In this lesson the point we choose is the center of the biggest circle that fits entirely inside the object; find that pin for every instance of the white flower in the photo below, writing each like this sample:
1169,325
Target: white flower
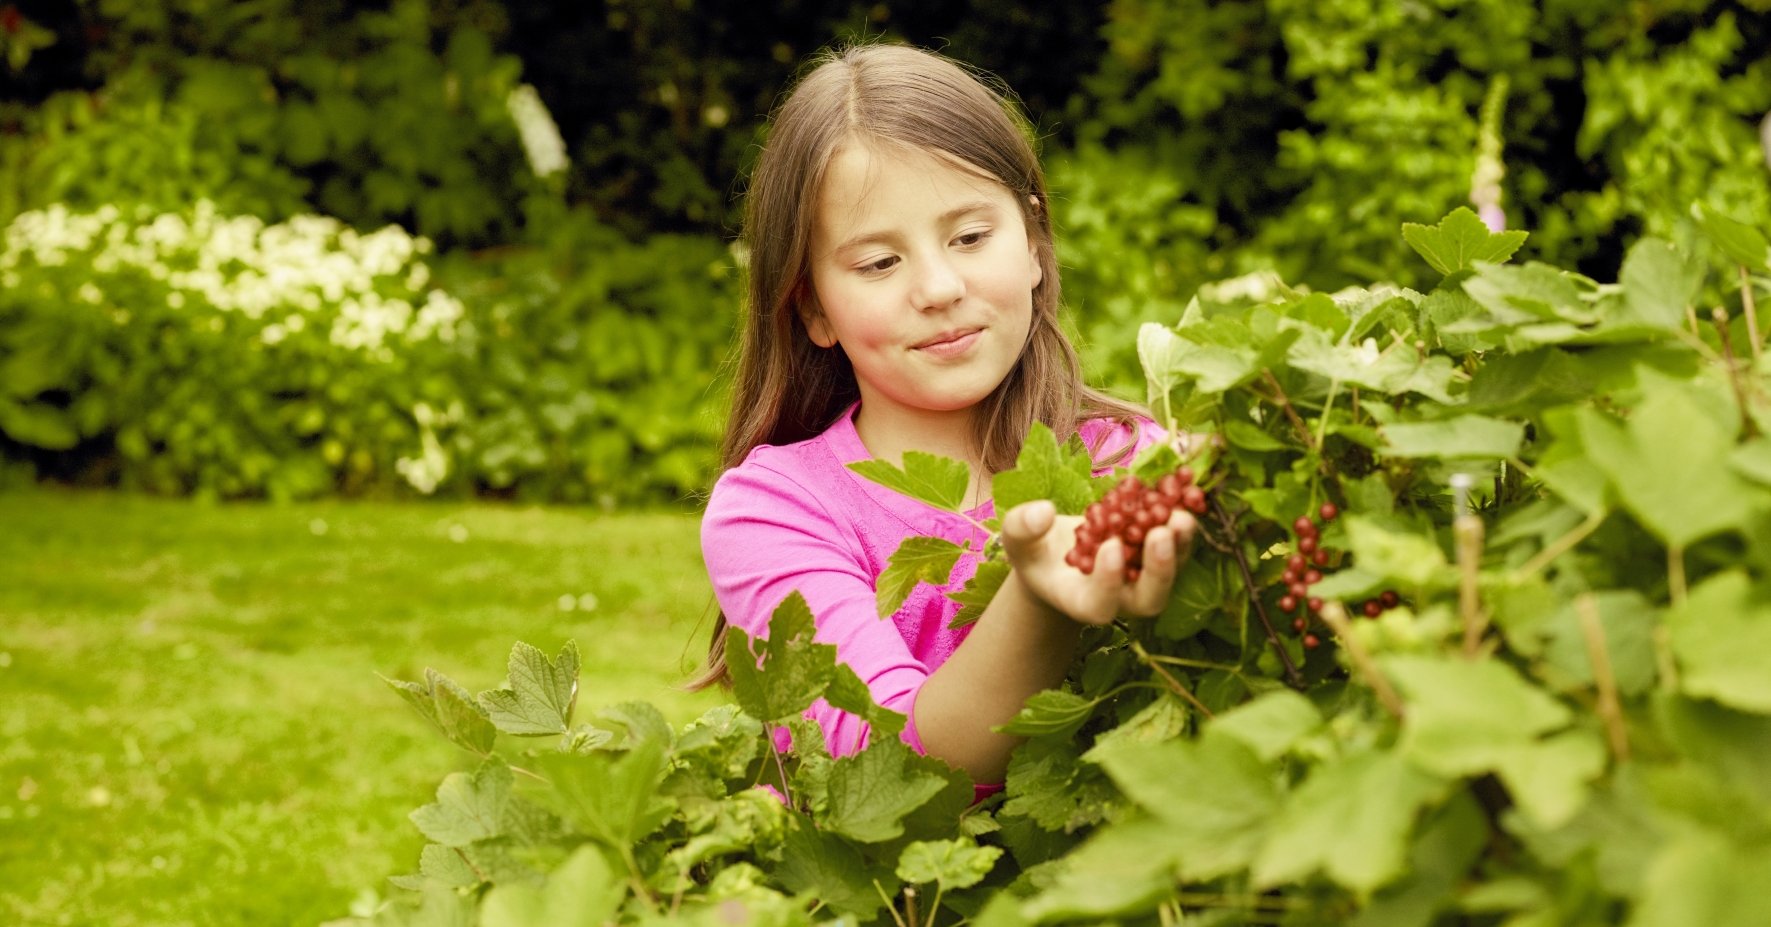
541,139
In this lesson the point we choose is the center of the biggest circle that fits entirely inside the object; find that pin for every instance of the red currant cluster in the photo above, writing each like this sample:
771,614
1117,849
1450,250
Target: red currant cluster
1304,569
1128,511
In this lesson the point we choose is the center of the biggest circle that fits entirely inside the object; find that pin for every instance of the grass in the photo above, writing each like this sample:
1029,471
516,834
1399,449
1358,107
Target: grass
191,727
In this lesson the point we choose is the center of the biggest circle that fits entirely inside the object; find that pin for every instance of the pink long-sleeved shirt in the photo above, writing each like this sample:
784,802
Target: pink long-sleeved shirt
794,517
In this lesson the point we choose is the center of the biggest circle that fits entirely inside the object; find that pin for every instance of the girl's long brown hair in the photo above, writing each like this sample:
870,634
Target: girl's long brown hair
788,389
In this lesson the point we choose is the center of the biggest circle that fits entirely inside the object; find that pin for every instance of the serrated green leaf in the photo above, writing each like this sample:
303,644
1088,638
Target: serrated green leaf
1549,779
938,481
582,892
1405,555
848,693
1459,240
1123,869
1249,437
1532,294
1158,349
1466,717
1215,794
976,594
540,695
1350,819
448,706
612,797
871,792
1270,724
1450,842
919,559
822,865
444,865
951,864
1742,243
468,807
1044,471
1681,497
1394,371
1049,784
634,723
1720,637
1659,283
1701,878
777,678
1052,711
1466,436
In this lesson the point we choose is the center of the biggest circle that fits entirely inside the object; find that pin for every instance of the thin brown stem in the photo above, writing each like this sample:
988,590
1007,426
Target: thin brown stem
1335,616
1174,685
1469,531
1292,676
910,906
1610,710
1284,403
1720,317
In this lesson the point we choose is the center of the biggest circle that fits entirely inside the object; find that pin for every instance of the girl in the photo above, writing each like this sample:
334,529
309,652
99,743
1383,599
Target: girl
903,295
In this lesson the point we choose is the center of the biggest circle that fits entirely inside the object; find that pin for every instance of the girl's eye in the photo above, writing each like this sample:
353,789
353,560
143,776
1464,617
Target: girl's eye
972,239
880,266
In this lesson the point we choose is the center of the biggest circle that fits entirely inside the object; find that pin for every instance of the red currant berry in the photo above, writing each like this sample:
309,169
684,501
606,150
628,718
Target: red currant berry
1299,624
1328,511
1307,545
1074,557
1389,598
1288,603
1134,536
1170,486
1132,573
1185,474
1311,642
1315,604
1193,500
1296,563
1372,608
1304,527
1288,577
1086,563
1299,590
1320,557
1312,577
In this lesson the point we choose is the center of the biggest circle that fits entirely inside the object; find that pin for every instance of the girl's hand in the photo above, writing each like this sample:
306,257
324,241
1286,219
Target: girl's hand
1035,538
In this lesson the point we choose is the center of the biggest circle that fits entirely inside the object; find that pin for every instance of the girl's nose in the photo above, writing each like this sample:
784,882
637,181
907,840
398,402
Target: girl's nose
938,285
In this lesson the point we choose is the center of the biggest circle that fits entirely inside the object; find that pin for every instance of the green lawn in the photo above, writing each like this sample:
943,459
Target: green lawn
191,728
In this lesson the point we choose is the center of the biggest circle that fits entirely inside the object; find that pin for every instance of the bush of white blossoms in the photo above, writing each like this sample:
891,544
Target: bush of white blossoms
225,354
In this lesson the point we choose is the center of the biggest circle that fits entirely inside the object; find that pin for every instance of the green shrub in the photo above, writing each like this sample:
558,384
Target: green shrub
196,352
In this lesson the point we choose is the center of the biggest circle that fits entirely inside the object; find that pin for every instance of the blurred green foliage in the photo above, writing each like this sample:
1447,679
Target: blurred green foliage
1188,141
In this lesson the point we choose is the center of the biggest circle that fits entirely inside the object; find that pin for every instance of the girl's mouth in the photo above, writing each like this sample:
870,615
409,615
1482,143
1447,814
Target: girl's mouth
950,344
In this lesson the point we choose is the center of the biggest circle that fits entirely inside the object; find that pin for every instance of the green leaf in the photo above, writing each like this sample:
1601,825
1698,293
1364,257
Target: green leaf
612,797
468,807
447,705
918,559
540,694
1159,348
938,481
827,867
1549,780
1049,784
1532,294
1720,636
1043,471
37,425
978,591
1742,243
1215,794
848,693
1398,553
1052,711
1628,621
793,671
951,864
1701,878
1350,819
1123,869
872,791
1459,240
1659,283
1450,842
582,892
1461,437
1467,717
1397,370
1270,724
1681,497
445,865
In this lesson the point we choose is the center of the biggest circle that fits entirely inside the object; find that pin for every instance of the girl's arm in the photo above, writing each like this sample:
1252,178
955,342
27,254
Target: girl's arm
1026,638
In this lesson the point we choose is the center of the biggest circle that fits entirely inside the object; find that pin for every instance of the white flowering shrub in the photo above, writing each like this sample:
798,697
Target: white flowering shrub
198,352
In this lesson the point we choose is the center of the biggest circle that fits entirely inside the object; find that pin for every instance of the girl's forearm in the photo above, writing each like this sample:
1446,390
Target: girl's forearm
1019,646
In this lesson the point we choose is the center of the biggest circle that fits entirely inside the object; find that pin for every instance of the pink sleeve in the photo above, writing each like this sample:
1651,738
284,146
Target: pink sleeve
765,536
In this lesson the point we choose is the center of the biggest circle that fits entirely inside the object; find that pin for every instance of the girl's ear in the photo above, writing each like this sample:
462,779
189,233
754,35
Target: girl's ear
811,315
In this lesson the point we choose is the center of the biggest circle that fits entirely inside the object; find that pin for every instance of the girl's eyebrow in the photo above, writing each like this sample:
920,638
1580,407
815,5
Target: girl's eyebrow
963,209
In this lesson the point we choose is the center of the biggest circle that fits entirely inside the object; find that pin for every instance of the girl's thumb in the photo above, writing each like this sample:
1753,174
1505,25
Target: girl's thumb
1027,522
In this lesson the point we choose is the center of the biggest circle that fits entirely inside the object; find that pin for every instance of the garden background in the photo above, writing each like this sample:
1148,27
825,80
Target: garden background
344,338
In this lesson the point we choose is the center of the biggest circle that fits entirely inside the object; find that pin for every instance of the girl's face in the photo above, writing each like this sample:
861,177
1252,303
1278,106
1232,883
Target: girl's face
923,273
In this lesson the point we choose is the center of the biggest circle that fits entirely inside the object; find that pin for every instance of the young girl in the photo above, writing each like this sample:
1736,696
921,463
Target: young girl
903,296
